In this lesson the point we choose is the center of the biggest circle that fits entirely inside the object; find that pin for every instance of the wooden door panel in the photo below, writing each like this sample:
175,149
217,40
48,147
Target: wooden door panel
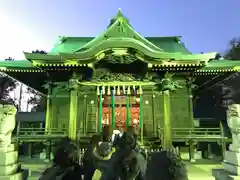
120,117
135,112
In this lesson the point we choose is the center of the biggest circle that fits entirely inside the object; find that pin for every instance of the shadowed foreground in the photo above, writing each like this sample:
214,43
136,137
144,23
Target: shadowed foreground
202,169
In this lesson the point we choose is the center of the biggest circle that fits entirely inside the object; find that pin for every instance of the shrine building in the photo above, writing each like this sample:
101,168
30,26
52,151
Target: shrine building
119,78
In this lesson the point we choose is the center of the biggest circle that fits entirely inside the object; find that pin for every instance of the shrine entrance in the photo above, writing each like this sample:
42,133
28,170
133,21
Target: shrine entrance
120,110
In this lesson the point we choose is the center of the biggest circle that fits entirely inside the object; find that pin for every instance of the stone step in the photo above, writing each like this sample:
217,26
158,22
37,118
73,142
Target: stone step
221,174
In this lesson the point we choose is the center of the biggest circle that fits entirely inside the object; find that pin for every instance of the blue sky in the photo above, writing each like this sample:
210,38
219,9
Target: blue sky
205,25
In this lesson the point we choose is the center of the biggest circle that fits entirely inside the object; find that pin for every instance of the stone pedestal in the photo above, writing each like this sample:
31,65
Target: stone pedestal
10,168
231,163
231,166
43,156
196,156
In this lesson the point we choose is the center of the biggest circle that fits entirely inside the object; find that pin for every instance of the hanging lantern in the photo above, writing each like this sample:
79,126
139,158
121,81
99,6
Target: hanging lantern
134,89
98,91
118,90
114,90
137,99
128,90
140,90
103,89
124,89
109,90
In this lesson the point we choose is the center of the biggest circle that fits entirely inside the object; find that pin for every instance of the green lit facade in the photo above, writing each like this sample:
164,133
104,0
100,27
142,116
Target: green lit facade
118,78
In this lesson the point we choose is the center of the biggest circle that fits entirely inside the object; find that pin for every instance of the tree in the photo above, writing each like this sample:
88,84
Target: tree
9,59
39,51
226,91
219,56
233,52
227,88
7,85
36,100
230,93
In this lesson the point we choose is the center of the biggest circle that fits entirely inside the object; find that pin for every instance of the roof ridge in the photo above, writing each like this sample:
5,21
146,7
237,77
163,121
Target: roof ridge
120,25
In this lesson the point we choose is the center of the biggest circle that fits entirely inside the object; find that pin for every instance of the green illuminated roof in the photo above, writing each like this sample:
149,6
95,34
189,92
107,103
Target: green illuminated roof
119,27
18,66
167,44
118,39
212,66
25,72
70,44
221,66
119,36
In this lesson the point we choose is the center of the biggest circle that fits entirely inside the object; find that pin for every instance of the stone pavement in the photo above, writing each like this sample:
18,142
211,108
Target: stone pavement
34,165
200,170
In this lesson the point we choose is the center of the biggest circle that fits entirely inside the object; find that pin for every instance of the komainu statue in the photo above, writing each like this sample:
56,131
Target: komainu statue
7,124
233,120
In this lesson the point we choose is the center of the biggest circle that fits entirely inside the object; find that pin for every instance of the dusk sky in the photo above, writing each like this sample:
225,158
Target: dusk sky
205,25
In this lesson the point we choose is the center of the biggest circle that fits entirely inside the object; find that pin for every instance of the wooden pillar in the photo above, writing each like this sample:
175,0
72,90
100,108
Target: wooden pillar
191,118
167,138
191,151
73,115
49,150
82,112
223,140
190,102
48,120
209,150
30,147
113,108
128,119
100,111
141,113
84,120
155,127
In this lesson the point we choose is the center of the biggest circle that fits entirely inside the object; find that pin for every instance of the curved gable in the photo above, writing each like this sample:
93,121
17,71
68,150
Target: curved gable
119,27
169,44
70,44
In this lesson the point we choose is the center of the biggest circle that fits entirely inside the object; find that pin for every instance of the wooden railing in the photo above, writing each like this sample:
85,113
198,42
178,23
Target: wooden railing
197,131
37,135
177,133
199,134
38,131
186,135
